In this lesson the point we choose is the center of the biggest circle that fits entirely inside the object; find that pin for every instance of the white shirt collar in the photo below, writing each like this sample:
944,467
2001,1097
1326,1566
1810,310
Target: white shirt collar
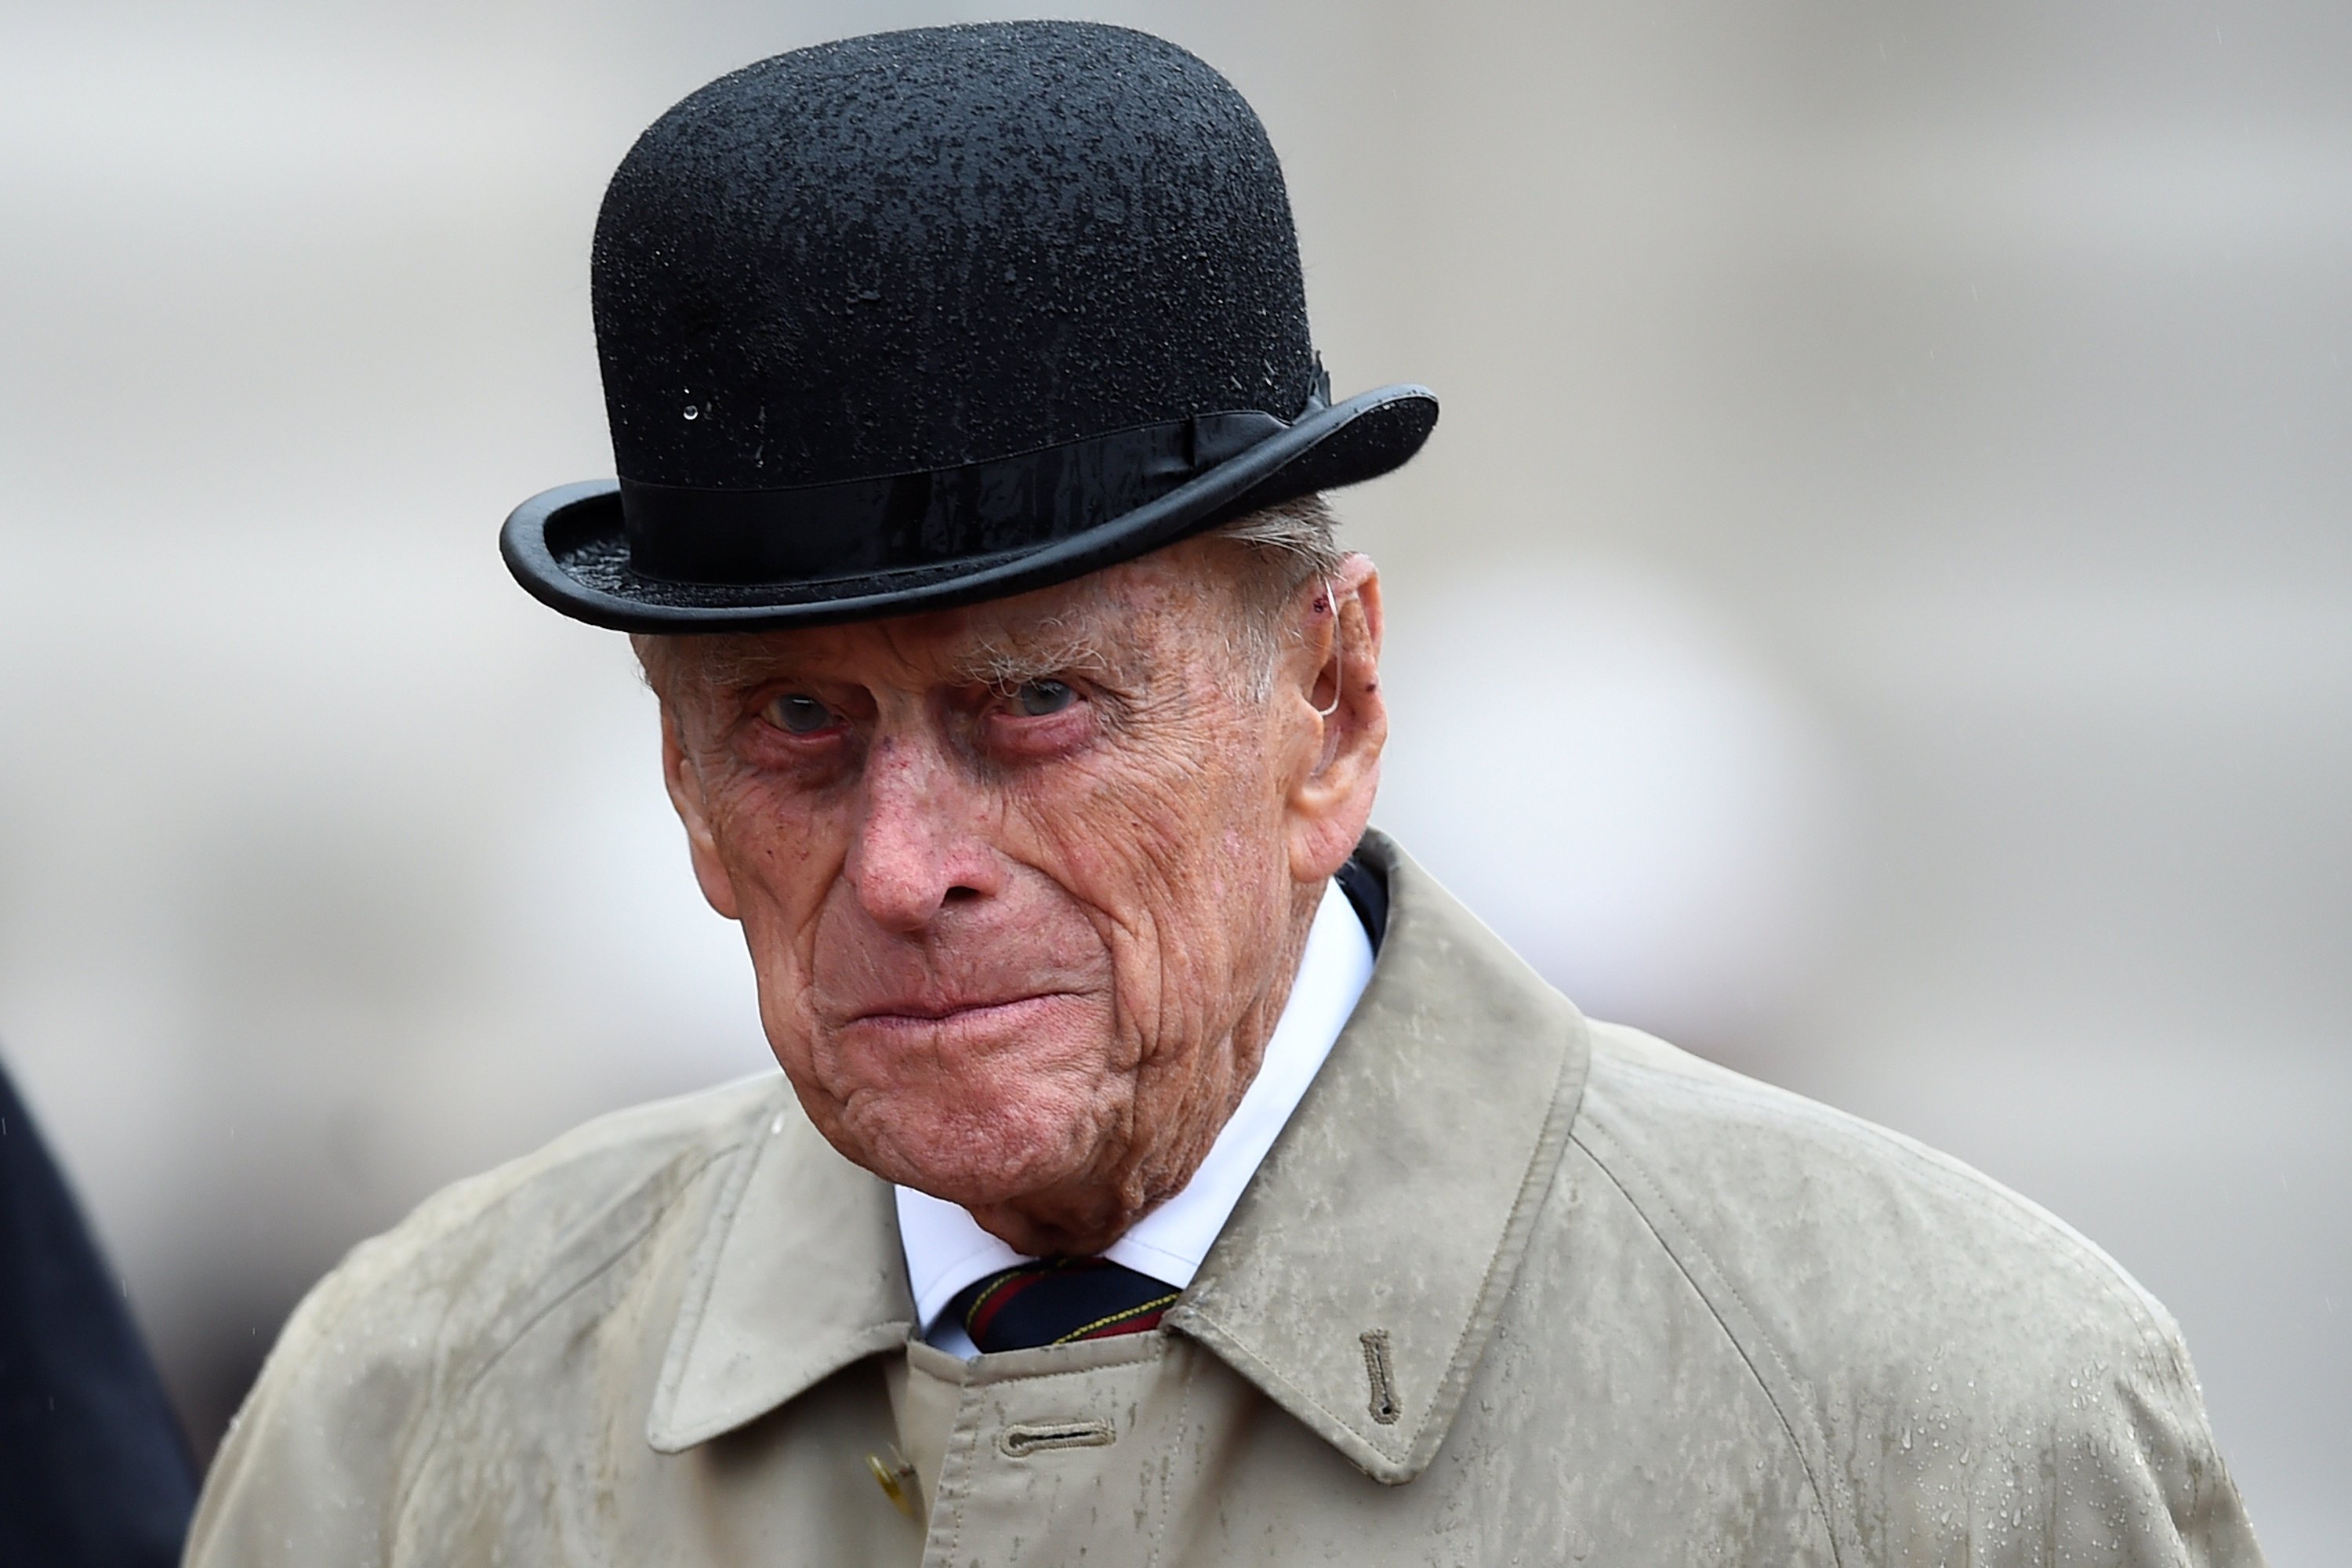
947,1251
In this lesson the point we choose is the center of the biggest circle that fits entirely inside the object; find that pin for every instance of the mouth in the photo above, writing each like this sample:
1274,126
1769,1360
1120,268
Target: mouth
912,1014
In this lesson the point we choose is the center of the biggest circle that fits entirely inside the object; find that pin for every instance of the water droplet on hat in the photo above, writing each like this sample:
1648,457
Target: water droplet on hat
692,412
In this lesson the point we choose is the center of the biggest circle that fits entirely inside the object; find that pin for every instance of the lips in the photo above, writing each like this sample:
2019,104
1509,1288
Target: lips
916,1011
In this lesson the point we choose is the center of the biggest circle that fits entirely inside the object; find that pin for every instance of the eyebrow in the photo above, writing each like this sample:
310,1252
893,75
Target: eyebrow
730,662
1054,647
1001,660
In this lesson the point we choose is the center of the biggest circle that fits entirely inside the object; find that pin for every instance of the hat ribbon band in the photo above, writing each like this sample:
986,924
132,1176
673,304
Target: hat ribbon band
686,534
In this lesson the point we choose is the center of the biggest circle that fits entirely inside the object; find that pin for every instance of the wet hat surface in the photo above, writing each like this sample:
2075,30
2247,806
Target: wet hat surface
927,317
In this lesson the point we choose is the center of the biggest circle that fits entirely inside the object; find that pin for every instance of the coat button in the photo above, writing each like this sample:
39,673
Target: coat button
896,1477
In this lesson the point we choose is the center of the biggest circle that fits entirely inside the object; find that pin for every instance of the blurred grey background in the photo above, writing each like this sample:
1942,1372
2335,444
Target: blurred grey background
1878,609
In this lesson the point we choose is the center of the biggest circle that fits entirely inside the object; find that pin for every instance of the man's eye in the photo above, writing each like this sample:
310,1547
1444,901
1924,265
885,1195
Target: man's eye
799,715
1036,699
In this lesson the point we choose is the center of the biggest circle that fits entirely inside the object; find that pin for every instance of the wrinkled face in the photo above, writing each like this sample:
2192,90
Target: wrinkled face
1024,883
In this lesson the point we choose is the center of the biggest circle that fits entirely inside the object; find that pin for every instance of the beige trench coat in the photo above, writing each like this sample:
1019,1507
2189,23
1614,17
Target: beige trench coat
1511,1288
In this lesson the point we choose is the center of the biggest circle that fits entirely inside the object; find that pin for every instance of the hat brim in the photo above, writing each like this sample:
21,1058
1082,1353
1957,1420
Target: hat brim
566,545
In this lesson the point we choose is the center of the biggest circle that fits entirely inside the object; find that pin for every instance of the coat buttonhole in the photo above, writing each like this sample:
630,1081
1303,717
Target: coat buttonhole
1378,1372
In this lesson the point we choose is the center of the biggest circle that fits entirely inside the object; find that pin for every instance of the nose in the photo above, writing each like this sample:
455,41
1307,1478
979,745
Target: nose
914,851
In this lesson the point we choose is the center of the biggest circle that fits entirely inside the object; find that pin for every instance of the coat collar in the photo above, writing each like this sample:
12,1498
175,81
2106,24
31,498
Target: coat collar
798,1274
1356,1283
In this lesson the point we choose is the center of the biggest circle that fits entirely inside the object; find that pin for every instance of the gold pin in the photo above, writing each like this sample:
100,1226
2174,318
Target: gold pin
896,1477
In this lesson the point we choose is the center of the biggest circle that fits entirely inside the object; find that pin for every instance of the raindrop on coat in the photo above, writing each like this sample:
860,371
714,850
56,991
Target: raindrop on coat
692,412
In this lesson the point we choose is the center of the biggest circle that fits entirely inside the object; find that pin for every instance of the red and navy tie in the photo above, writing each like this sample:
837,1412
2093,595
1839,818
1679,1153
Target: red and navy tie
1059,1301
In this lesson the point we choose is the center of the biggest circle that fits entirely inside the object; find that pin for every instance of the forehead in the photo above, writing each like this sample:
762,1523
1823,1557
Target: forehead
1123,618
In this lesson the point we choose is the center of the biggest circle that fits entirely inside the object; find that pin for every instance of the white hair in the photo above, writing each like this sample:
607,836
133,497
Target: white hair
1290,544
1302,534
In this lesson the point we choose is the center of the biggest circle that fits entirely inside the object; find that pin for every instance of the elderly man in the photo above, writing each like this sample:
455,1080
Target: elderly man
1164,1170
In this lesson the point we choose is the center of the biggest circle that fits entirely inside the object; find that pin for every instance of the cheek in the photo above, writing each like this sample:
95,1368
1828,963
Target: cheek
1182,857
781,857
781,845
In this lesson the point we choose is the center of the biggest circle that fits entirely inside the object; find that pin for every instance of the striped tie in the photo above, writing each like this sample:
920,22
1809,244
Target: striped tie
1059,1301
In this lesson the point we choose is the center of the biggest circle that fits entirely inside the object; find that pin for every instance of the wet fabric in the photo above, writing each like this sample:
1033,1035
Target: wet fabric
93,1471
1511,1286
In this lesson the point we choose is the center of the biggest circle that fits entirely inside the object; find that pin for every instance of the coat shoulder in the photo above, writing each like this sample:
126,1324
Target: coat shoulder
1772,1186
1931,1339
504,1244
354,1393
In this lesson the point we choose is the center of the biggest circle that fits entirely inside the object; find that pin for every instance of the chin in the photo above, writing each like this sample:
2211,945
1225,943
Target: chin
978,1110
976,1155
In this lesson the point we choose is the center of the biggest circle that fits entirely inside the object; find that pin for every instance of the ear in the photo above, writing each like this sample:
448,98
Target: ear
1346,720
684,786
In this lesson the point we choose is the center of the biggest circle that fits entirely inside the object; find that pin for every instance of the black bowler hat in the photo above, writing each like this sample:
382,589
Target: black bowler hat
930,317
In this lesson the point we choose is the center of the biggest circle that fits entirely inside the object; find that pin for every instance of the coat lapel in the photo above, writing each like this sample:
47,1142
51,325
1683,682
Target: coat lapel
1357,1282
799,1274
